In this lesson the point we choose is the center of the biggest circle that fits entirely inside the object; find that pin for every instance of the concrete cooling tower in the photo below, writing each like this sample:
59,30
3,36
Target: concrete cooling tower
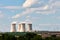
13,27
29,27
22,27
19,27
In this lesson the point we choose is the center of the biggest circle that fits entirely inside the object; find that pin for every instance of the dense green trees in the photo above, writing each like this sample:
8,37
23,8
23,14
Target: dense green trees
37,37
27,36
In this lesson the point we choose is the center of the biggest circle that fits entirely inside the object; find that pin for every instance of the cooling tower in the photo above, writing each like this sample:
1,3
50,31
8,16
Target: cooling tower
13,27
29,27
22,27
19,27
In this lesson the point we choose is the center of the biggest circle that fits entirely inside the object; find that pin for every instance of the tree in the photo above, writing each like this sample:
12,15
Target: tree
30,35
37,37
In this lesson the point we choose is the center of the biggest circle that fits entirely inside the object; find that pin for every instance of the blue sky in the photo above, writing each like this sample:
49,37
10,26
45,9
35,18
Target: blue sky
44,14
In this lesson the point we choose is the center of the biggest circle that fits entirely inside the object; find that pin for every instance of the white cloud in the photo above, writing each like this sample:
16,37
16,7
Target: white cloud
28,3
27,11
0,11
1,14
56,4
10,7
27,16
30,10
32,19
46,9
14,22
41,10
46,12
57,17
16,16
49,24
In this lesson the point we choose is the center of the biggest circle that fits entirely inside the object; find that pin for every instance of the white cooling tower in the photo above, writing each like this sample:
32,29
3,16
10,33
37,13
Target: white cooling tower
13,27
19,27
29,27
22,27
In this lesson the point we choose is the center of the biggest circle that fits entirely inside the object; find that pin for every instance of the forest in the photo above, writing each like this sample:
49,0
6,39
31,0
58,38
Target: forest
25,36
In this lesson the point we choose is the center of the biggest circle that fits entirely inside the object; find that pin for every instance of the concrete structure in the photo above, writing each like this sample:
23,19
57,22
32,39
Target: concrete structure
29,27
22,27
13,27
19,27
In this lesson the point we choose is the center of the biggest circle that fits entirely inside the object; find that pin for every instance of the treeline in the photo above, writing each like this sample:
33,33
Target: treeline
27,36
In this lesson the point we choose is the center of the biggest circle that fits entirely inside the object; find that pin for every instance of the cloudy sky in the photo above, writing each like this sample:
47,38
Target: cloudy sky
44,14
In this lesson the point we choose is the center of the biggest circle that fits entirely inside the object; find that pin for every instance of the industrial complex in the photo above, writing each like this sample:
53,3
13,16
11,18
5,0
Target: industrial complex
21,27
